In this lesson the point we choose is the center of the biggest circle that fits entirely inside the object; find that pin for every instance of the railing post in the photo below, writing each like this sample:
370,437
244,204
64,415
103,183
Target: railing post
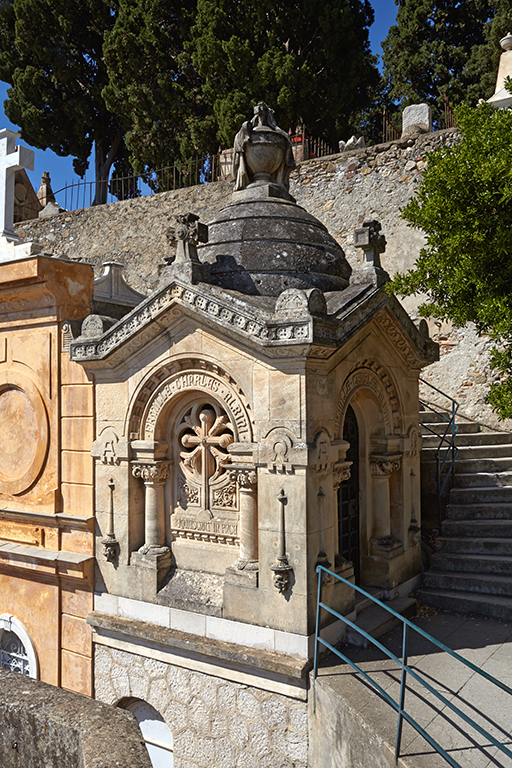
317,632
398,741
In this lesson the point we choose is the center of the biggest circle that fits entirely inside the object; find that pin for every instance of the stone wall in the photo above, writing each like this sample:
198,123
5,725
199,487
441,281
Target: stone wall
215,723
342,191
41,725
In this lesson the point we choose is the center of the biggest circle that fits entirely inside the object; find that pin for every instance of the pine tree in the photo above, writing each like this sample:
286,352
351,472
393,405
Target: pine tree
51,56
444,47
310,61
156,93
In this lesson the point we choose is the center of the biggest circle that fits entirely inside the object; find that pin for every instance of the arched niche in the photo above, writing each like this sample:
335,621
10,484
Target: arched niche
17,651
155,731
370,394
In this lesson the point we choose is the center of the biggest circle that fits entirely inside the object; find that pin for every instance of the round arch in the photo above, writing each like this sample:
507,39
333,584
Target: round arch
371,376
17,651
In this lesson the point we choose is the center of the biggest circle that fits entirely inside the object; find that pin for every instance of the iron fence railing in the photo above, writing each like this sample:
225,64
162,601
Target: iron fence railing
446,451
449,115
400,705
389,130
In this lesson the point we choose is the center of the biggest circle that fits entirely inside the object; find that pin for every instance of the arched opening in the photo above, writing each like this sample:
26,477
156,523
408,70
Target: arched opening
348,499
17,651
157,734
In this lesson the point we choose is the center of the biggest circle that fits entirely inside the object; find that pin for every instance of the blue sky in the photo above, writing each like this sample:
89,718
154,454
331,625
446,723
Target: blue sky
61,168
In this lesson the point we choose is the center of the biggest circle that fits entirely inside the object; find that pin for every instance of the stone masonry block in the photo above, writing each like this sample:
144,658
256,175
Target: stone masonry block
417,114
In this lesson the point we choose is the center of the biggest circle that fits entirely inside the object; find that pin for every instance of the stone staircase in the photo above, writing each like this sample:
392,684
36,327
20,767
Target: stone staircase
374,620
471,570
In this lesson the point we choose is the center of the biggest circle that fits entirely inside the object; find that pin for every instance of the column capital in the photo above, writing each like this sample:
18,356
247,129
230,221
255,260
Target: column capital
382,465
156,472
246,478
340,472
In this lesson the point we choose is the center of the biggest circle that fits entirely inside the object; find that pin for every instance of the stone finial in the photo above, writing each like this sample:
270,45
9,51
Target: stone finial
506,42
372,244
263,154
187,233
45,193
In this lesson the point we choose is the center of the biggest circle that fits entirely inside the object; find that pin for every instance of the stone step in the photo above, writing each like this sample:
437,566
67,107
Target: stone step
362,602
472,452
478,528
474,438
376,621
468,602
484,545
486,495
463,428
482,583
491,511
490,564
435,417
483,480
491,465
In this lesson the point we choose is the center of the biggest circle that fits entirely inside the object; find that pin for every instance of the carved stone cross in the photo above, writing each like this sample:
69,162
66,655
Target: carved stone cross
12,159
206,458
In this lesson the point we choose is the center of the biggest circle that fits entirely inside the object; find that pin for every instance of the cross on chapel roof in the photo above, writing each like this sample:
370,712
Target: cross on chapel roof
12,159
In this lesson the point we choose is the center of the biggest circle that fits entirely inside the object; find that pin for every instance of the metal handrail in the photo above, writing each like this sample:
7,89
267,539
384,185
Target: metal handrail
399,705
446,441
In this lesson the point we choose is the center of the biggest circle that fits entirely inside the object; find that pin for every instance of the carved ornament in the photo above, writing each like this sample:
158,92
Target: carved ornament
156,473
368,374
384,465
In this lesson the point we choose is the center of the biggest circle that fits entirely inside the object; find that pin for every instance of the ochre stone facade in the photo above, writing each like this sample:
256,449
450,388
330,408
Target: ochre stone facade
46,472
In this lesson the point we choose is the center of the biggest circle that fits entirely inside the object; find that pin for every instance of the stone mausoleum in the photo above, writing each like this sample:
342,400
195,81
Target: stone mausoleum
255,416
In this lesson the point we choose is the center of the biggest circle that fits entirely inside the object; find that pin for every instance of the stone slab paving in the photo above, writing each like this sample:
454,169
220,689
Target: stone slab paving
484,642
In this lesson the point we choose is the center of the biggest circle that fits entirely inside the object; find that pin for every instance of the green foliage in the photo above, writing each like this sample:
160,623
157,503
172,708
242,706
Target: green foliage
156,94
310,61
442,47
51,56
464,207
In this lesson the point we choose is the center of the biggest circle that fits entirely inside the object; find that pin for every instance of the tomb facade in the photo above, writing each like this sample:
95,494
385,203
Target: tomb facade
255,416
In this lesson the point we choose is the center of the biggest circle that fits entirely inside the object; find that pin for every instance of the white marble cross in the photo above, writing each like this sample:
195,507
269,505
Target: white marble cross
12,159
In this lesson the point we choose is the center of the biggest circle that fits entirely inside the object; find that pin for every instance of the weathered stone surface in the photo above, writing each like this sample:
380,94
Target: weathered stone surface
417,115
221,724
41,724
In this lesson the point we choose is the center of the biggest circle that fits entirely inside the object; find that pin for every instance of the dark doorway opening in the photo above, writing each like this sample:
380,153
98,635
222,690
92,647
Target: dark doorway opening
348,498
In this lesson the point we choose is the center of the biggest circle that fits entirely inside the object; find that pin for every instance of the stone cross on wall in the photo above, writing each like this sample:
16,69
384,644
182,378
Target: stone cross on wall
12,159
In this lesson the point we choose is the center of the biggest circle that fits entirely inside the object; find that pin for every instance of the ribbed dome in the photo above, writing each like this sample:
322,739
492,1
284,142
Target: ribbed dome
263,245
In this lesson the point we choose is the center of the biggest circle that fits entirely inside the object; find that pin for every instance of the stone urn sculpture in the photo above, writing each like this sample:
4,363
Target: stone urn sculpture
263,152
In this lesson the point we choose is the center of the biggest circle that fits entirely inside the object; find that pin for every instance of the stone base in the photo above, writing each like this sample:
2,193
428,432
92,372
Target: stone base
247,577
262,190
386,547
156,565
389,572
189,272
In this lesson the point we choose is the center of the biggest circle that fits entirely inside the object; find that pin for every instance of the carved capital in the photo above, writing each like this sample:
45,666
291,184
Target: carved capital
382,465
246,478
340,472
152,473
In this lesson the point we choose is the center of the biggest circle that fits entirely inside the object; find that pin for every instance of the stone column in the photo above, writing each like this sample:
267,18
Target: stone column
382,465
154,476
248,531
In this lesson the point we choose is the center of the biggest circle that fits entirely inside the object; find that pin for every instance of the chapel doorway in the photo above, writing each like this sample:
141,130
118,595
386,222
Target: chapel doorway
348,499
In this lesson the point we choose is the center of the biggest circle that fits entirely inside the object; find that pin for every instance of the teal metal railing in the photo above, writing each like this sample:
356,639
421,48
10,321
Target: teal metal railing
446,451
400,705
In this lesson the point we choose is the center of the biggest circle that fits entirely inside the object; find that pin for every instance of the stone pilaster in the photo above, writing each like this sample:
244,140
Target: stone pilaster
154,476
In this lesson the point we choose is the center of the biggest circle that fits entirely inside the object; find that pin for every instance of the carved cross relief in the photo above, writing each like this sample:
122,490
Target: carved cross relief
203,437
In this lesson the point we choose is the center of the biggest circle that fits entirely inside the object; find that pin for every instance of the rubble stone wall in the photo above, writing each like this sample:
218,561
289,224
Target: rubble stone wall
214,722
342,191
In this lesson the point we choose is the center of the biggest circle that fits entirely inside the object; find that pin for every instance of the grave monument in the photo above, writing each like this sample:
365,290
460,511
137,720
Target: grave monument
255,416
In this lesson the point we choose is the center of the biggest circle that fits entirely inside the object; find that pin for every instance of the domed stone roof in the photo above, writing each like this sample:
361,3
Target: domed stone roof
265,245
263,242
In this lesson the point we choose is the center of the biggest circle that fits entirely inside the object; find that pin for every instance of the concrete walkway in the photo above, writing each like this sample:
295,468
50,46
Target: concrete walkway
485,642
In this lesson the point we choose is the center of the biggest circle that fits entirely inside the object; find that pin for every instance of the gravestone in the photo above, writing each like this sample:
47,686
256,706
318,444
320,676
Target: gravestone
416,119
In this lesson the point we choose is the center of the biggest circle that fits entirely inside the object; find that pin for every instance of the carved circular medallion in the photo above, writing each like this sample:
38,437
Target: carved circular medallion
23,433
